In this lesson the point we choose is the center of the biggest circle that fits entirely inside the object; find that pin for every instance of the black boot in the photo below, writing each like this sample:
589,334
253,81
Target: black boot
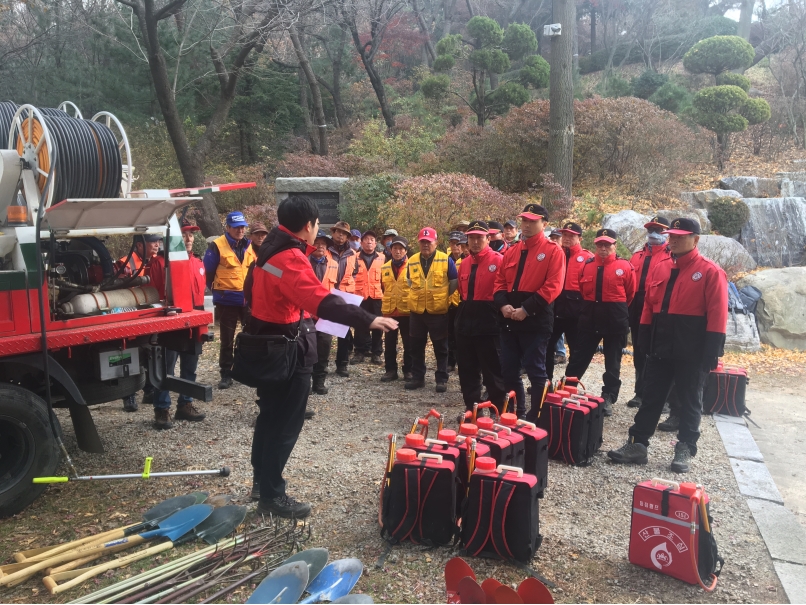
629,453
284,506
341,370
319,385
670,425
682,457
389,376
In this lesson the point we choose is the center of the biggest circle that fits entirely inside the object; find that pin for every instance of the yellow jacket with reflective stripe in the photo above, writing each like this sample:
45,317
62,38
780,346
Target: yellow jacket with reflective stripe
395,291
456,297
429,293
231,273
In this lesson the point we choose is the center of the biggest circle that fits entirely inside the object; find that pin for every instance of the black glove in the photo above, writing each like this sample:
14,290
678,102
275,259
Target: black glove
710,363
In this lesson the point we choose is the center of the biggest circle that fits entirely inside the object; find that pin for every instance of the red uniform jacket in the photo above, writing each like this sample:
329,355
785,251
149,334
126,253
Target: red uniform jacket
197,278
477,314
685,313
607,288
531,276
643,262
569,302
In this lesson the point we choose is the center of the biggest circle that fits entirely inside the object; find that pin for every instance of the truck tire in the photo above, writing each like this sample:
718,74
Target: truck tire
27,448
112,390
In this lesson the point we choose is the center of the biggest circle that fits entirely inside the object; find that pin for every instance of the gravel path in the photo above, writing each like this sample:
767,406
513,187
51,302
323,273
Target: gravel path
338,463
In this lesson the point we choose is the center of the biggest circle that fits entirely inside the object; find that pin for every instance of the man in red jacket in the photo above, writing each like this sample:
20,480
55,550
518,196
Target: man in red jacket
568,305
683,331
644,261
607,288
478,341
281,288
529,280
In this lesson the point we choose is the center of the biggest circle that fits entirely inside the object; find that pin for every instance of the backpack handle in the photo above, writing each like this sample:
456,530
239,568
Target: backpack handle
528,425
436,442
577,397
569,400
424,455
673,484
512,469
487,433
501,427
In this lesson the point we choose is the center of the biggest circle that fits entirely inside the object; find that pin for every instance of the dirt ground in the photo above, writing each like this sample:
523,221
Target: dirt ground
337,465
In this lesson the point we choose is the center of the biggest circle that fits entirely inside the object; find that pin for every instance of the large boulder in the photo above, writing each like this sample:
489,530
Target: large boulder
727,253
630,227
742,334
703,199
775,235
781,311
751,186
697,214
793,187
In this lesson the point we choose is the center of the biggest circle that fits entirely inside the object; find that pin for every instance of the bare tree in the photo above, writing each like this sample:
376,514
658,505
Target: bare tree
313,85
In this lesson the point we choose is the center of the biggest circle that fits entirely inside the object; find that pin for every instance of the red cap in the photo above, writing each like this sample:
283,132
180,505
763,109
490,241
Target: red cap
570,389
688,489
485,464
447,435
428,234
562,393
468,429
485,423
415,440
509,419
405,455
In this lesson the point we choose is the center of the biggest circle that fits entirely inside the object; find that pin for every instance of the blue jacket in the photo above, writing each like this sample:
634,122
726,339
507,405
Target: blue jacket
212,258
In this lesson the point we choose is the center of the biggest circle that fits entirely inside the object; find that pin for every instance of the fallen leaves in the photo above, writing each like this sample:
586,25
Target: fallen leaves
769,360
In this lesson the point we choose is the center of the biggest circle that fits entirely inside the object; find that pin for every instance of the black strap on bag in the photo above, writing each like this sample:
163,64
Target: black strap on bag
498,519
409,520
262,360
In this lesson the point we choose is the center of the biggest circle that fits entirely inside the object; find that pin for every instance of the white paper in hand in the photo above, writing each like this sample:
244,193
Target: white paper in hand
332,328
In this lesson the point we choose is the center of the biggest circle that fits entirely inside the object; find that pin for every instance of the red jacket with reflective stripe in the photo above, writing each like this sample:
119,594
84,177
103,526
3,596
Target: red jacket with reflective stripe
607,288
569,302
687,308
539,280
477,314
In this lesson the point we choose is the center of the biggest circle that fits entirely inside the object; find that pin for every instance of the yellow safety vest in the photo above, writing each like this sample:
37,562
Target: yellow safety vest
231,273
429,293
456,298
395,291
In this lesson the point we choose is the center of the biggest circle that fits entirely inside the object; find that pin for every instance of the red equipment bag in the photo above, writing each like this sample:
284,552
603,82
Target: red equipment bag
500,448
468,435
515,452
420,502
595,405
725,391
502,516
536,449
568,426
670,532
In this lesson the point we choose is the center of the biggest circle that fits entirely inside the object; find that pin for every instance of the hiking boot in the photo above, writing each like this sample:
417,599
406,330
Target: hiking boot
451,368
441,387
188,412
635,402
629,453
607,406
357,358
670,425
667,409
162,419
407,376
284,506
389,376
255,493
342,370
415,384
130,403
148,397
485,396
226,382
319,385
376,360
559,359
309,414
682,457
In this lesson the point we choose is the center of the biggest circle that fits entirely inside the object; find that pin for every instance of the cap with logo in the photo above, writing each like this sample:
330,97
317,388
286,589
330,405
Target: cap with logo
606,235
428,234
257,228
534,212
186,225
391,232
341,226
495,227
571,228
236,219
556,233
511,223
478,228
658,222
455,235
324,235
355,233
399,239
684,226
369,232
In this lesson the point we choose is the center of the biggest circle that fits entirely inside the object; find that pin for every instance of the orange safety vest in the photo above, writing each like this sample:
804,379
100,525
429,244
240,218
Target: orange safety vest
231,273
368,281
331,272
135,262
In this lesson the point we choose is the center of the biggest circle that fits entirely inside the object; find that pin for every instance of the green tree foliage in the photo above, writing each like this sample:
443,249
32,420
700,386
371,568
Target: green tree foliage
671,97
729,78
645,85
535,72
719,54
436,87
365,200
728,215
614,86
399,149
721,109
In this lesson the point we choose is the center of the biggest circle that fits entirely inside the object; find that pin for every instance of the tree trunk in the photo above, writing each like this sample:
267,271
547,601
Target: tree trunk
470,9
561,96
374,77
313,85
306,113
593,29
745,18
429,45
447,16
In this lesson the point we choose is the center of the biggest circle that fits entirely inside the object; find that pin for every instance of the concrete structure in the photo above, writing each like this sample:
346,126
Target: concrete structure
325,191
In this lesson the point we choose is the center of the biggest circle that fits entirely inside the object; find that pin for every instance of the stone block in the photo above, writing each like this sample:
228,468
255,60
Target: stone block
751,186
755,481
793,579
784,536
781,310
702,199
775,234
739,442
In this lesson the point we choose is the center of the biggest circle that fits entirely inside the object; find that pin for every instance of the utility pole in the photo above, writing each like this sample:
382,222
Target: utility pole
561,92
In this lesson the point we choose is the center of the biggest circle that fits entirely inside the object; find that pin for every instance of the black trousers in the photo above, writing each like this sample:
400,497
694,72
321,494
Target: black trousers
278,425
452,335
228,318
689,379
562,325
364,341
421,326
612,345
638,354
324,343
344,347
479,361
390,346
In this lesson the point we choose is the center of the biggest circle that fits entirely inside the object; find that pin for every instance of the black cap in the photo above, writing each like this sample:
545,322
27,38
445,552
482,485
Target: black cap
684,226
478,227
571,228
324,235
511,223
606,235
148,237
400,240
495,226
556,232
534,212
657,221
457,235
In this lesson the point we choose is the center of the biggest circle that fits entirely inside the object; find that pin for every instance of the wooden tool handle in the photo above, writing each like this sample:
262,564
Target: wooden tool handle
36,553
84,574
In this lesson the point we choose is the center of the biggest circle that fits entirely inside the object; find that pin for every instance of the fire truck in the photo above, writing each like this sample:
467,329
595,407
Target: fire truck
75,329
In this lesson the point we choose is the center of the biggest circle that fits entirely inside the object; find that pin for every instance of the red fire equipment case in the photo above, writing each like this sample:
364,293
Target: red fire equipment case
725,391
568,426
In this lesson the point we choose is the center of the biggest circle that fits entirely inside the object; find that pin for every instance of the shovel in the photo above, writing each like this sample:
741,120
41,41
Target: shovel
455,570
221,522
173,527
336,580
489,587
314,558
469,591
284,585
151,518
532,590
504,594
354,598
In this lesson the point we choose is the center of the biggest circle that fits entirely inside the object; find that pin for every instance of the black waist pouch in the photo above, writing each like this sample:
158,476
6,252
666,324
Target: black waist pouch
265,360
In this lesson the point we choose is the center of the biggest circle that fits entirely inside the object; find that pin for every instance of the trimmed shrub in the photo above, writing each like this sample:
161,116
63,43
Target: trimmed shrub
671,97
436,87
718,54
647,83
729,78
615,86
728,215
365,200
535,72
